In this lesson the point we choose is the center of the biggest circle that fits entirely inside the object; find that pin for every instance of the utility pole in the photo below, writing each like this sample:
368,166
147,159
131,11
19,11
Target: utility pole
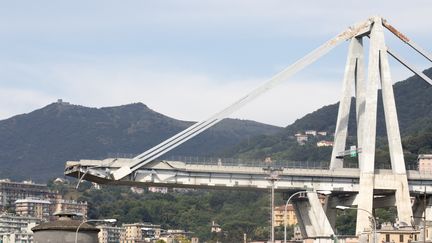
424,216
273,175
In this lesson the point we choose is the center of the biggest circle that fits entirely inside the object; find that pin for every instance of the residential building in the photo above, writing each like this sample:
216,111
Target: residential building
12,191
137,190
171,236
301,138
13,223
162,190
279,215
388,233
322,133
22,236
14,228
95,186
279,212
139,232
215,227
33,207
324,143
70,206
109,234
425,163
311,132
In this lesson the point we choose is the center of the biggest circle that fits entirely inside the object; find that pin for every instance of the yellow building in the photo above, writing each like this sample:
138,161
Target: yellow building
291,217
139,232
279,215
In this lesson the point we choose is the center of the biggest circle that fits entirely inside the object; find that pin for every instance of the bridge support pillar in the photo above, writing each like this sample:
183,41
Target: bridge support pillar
422,206
353,76
330,210
366,106
312,218
366,109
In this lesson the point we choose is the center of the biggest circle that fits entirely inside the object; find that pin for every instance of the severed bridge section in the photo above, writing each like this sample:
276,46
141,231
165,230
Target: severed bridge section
366,187
220,175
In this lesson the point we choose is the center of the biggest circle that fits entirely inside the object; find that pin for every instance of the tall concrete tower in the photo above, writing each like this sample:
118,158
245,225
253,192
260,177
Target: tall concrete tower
366,93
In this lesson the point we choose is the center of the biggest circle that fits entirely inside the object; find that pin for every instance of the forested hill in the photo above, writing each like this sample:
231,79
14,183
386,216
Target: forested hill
37,145
413,101
414,105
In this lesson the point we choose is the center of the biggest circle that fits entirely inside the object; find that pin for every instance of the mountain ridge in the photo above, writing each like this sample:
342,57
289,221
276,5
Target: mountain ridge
37,144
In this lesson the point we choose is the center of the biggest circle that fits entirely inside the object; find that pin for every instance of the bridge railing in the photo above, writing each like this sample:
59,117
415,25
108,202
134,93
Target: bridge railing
249,162
259,163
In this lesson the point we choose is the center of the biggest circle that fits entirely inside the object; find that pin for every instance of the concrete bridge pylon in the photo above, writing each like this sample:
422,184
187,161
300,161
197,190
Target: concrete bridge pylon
366,93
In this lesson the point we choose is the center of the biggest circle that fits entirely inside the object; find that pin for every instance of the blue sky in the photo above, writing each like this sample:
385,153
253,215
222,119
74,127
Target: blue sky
186,59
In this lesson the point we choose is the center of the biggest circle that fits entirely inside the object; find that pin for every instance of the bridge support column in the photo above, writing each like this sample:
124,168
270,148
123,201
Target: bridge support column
379,71
420,207
312,218
330,210
355,53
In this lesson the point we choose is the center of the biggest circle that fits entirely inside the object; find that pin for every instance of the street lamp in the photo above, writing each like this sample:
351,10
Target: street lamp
92,220
285,212
286,208
364,210
273,176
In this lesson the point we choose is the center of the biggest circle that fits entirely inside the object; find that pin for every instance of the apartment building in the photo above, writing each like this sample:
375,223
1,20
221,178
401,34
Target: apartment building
70,206
12,191
425,163
109,234
33,207
14,228
139,232
279,215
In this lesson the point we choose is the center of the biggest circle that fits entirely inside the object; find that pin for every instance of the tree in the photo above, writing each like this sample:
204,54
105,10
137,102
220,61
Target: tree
346,222
182,239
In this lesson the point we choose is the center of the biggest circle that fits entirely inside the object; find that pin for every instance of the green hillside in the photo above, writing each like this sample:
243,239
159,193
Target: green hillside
37,145
414,105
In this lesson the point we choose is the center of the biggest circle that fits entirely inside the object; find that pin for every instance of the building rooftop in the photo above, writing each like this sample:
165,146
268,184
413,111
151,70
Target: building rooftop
425,156
32,200
142,225
65,225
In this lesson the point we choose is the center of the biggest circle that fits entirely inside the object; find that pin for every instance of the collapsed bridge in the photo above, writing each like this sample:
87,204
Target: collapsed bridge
366,187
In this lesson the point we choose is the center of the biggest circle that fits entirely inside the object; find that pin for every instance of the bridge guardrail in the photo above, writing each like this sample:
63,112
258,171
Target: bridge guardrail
259,163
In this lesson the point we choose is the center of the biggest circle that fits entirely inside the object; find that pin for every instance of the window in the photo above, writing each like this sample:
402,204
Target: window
401,238
387,238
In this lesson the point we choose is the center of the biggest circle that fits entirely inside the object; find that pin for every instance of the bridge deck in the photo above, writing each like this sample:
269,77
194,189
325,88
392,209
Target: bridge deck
218,175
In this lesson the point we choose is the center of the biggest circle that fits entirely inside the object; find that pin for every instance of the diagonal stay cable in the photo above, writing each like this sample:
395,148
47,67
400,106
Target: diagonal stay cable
199,127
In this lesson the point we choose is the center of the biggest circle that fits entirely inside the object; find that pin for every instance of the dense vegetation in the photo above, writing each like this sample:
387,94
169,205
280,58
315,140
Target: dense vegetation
237,212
